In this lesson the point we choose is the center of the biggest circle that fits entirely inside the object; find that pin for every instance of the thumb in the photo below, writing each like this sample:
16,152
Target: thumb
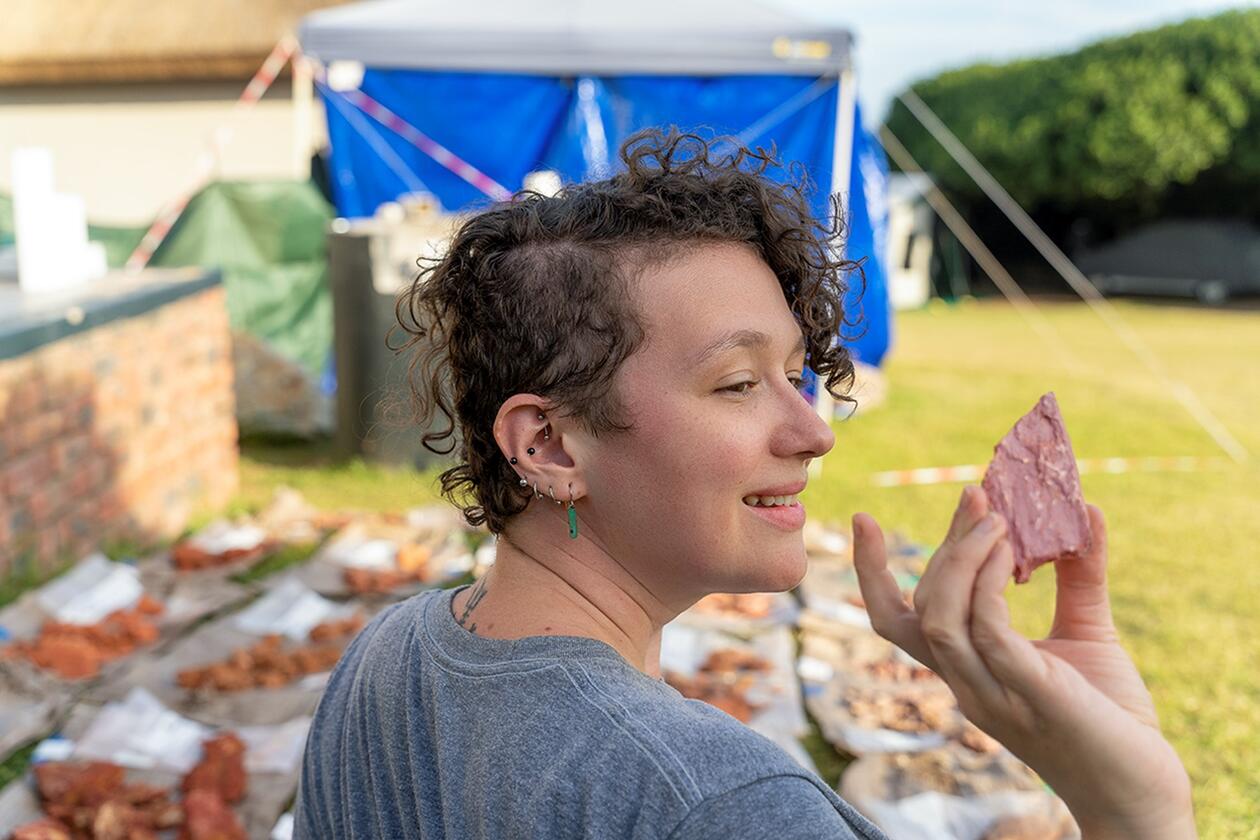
1082,607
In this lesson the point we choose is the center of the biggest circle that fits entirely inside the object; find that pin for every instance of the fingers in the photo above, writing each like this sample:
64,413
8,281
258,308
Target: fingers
971,507
1082,608
1007,655
890,616
945,606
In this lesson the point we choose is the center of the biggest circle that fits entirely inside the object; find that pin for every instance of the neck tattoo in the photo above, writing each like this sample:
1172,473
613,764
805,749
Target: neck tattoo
474,598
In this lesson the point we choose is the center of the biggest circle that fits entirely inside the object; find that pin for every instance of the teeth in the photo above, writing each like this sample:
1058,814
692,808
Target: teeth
769,501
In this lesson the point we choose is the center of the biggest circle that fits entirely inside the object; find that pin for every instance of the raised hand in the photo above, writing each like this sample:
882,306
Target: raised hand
1072,706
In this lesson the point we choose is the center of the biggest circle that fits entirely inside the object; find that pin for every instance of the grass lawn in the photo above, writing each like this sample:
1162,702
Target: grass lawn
1183,574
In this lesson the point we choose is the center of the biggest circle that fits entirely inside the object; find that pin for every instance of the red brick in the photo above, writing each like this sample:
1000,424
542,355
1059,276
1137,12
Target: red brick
47,547
113,466
28,472
70,453
42,504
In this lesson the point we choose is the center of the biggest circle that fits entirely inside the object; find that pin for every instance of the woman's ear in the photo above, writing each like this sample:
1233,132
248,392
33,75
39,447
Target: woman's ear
525,431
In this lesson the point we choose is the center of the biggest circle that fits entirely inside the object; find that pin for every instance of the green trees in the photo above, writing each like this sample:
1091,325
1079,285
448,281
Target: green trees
1159,120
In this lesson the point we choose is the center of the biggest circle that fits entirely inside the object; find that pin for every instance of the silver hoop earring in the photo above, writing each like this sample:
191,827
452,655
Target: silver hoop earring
552,493
537,495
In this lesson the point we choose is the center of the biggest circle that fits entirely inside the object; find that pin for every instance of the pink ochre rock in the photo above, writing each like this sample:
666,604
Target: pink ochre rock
1033,482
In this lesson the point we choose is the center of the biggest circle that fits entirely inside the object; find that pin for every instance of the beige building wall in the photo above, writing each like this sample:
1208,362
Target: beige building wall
130,148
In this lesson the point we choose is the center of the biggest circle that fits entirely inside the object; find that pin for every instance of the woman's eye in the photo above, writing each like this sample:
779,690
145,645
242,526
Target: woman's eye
798,382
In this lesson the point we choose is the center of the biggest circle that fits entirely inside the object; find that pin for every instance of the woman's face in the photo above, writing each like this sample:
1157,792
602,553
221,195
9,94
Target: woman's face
711,428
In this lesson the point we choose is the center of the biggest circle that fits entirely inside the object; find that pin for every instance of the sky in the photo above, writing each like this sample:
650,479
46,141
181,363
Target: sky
901,41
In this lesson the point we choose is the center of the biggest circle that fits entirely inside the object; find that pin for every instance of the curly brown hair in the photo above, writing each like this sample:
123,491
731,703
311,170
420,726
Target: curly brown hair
534,295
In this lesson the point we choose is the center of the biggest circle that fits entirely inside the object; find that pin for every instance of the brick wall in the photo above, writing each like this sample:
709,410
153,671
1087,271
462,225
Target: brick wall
120,432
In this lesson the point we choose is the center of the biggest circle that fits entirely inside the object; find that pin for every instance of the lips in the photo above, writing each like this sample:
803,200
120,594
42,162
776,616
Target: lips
786,517
791,489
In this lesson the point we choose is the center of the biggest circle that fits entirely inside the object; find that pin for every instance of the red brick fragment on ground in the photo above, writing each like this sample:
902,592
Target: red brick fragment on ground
45,829
221,769
207,817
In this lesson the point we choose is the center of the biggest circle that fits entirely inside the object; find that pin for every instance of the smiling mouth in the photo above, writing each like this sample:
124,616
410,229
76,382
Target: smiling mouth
770,501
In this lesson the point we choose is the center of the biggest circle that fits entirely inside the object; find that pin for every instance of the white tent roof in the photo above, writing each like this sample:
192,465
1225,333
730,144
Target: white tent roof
577,37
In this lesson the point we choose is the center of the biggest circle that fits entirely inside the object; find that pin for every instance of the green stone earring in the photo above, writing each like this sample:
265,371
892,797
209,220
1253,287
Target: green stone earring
572,516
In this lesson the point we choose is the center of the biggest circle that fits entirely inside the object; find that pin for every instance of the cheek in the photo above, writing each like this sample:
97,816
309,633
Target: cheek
702,449
690,459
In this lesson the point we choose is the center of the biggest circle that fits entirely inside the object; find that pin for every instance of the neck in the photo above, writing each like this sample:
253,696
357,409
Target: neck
546,585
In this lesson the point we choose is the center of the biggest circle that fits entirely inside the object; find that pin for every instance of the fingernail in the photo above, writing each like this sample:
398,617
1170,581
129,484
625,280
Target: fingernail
990,523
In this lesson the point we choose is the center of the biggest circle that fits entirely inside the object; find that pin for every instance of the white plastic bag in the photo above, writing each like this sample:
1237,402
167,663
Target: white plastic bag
221,537
290,609
140,732
90,591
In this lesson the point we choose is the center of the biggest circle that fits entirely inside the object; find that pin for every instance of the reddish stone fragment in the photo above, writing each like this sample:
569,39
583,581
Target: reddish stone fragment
147,605
221,769
139,793
207,817
68,657
73,784
45,829
116,820
1033,482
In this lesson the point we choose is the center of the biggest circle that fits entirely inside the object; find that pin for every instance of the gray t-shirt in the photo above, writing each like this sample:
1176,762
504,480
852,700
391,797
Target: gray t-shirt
429,732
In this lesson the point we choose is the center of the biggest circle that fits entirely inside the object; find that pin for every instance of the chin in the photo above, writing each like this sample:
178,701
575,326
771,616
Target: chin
784,572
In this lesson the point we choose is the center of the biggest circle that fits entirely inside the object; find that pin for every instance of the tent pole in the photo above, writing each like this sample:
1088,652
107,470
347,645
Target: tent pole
841,167
303,115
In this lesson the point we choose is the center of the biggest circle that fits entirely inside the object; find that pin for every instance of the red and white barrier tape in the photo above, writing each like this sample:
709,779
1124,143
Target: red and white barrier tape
258,85
975,472
442,155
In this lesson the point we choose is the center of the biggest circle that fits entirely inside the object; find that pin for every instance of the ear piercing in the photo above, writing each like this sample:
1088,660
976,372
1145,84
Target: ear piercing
530,451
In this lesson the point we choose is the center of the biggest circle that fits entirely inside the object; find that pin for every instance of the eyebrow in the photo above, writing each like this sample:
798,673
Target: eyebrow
740,338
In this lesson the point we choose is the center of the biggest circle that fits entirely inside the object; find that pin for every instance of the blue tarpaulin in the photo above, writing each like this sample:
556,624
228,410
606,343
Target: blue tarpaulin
573,80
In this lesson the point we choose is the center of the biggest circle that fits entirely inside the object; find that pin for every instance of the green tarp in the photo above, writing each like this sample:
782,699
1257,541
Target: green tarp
267,237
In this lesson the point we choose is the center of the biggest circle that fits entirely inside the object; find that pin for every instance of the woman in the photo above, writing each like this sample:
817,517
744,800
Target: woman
621,364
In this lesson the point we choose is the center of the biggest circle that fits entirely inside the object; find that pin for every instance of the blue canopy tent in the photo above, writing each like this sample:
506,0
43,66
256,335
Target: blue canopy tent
462,100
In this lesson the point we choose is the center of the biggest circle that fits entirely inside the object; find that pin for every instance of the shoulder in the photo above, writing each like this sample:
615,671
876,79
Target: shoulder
729,780
391,624
371,660
785,807
706,749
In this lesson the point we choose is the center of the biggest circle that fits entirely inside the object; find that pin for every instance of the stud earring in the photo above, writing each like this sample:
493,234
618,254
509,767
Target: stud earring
542,416
512,460
530,451
524,483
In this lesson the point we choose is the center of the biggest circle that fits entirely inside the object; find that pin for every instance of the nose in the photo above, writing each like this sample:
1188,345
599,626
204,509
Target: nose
804,433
